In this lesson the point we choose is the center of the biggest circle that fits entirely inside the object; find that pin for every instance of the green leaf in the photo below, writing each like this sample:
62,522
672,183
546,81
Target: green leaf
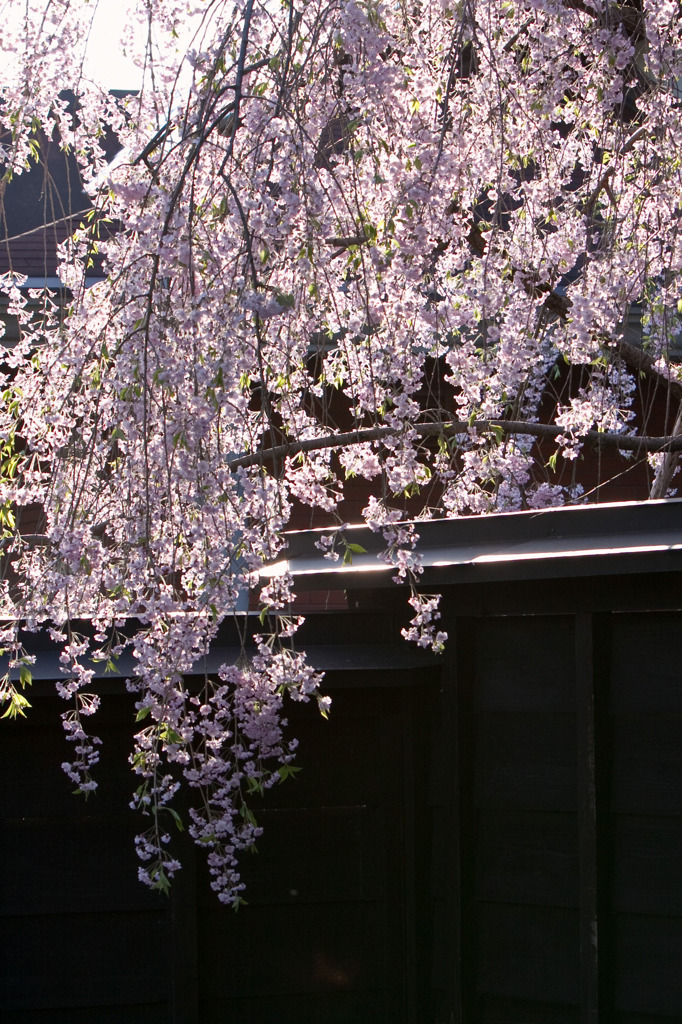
285,299
17,703
247,814
176,818
160,881
169,735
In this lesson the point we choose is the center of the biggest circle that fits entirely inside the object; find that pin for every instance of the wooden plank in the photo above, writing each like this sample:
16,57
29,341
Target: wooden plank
183,952
591,658
80,960
526,761
645,663
424,710
407,853
636,592
343,1006
647,772
466,991
528,953
445,978
340,838
587,820
326,921
140,1013
527,857
92,857
498,1010
290,951
513,672
388,957
621,1017
648,956
647,876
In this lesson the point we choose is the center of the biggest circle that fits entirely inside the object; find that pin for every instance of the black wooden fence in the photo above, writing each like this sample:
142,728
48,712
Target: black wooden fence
489,837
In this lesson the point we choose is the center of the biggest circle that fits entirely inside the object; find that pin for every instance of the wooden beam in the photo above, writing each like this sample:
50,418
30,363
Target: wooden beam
462,637
596,955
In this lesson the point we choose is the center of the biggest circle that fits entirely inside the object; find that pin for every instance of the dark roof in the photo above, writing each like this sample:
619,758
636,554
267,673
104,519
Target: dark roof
612,556
43,206
49,193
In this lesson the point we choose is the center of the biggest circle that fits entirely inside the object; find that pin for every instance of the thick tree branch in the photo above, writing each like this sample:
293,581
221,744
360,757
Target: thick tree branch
345,241
666,471
453,428
626,13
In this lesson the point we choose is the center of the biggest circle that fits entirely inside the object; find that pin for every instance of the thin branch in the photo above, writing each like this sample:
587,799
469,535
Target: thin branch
241,65
155,141
66,219
511,43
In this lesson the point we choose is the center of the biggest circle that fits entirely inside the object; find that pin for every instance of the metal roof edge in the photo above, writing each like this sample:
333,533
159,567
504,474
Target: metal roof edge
622,537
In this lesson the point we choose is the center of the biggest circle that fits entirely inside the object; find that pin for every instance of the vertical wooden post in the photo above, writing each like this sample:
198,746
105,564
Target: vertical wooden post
183,952
409,838
462,637
593,774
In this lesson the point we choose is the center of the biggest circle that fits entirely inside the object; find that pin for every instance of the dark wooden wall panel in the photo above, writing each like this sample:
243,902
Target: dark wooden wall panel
646,663
527,857
526,762
84,960
647,772
529,952
291,950
646,718
343,838
621,1017
500,1010
648,965
73,916
143,1013
647,875
437,860
347,1008
331,902
524,844
36,787
513,670
80,856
